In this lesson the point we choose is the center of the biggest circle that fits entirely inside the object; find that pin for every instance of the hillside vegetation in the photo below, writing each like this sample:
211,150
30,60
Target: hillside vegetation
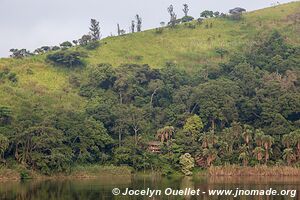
171,86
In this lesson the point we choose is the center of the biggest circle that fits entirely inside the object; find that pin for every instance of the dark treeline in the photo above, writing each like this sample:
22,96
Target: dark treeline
245,112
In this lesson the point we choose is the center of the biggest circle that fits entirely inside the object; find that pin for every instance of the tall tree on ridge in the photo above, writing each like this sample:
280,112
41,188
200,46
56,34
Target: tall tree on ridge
132,26
185,9
95,29
138,23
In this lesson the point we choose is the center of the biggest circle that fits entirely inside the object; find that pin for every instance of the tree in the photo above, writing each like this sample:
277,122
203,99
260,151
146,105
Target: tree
66,45
247,133
138,23
208,139
193,126
154,86
211,154
132,26
185,9
95,29
244,156
217,14
20,53
67,58
5,115
136,120
259,134
267,141
84,40
258,152
287,140
207,14
221,52
118,29
187,163
165,134
218,102
296,140
4,142
288,155
173,16
75,42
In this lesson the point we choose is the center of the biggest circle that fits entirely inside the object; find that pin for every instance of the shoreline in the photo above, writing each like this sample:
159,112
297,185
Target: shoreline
104,172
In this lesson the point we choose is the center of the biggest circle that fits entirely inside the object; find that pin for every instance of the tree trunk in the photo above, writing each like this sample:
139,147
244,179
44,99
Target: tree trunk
118,29
135,135
213,125
120,138
121,100
152,96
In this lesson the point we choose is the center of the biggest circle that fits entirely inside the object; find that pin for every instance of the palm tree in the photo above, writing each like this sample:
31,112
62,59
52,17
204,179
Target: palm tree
288,155
211,154
287,140
258,137
267,142
4,142
229,138
244,156
258,152
247,134
165,134
209,139
296,138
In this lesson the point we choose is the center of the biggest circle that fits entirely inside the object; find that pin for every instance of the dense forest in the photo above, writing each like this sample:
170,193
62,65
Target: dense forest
244,110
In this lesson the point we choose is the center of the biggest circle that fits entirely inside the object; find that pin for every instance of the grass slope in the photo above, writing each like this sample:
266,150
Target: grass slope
196,47
190,48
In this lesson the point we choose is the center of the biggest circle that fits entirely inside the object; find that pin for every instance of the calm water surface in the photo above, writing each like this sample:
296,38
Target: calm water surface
102,188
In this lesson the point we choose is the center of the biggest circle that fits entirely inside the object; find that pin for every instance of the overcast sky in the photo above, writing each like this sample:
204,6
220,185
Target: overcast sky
33,23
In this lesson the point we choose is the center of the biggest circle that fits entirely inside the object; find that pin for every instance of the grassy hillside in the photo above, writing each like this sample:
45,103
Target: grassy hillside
195,47
188,47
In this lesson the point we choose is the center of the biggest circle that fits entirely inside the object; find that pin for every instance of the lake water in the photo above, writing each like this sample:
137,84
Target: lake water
102,188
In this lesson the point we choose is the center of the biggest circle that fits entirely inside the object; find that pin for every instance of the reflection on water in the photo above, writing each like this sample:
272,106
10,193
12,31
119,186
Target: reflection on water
101,188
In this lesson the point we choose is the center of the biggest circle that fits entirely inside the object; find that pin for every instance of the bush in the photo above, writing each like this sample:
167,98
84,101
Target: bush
187,19
13,77
159,30
235,17
190,25
92,45
25,175
67,58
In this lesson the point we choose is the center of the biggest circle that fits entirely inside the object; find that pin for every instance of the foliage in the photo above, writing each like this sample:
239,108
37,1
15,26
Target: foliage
66,45
187,163
92,45
95,29
68,59
243,111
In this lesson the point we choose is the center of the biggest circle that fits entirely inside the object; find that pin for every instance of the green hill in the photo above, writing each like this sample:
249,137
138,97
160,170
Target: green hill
81,113
190,48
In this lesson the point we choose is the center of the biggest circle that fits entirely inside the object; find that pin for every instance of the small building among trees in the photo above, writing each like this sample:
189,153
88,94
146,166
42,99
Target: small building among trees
154,146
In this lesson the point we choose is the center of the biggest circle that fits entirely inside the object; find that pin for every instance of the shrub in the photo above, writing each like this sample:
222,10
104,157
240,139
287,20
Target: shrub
67,58
25,175
66,45
92,45
190,25
13,77
187,19
159,30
